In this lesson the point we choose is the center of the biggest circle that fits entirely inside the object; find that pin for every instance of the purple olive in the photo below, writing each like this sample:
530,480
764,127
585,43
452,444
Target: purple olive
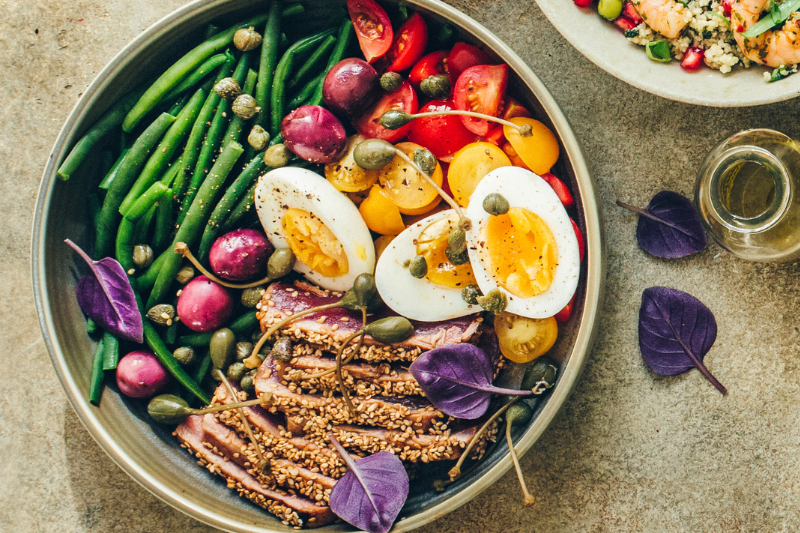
140,375
314,134
350,86
204,305
240,255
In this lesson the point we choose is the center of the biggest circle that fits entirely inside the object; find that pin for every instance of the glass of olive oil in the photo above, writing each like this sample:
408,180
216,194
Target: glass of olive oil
746,195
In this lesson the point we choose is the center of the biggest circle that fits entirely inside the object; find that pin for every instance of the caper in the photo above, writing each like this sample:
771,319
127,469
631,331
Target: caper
418,267
243,350
236,371
470,294
373,154
258,138
277,156
456,258
168,409
391,81
494,301
247,382
457,240
246,39
244,106
390,330
495,204
436,86
519,413
228,88
425,160
282,350
161,314
280,263
184,355
394,119
142,256
222,347
185,275
251,296
542,370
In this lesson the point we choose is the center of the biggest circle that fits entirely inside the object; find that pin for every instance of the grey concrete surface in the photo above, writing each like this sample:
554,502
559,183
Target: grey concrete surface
631,451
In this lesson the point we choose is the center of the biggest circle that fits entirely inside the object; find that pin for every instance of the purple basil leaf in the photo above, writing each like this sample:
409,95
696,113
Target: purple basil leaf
105,295
458,380
670,226
675,332
372,492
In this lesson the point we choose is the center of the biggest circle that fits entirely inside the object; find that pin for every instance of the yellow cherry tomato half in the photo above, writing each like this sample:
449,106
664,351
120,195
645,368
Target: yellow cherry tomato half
345,175
540,150
407,188
380,213
514,157
524,339
470,165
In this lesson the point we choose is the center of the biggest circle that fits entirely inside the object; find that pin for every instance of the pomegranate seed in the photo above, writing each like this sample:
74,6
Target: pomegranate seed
561,190
630,13
563,315
693,58
624,23
726,7
583,3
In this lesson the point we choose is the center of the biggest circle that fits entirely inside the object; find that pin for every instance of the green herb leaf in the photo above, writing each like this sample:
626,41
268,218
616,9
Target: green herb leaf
631,33
767,23
723,18
781,73
659,51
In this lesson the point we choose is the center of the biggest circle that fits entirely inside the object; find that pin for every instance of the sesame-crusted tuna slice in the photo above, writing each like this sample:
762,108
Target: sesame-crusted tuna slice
324,331
290,509
284,473
406,414
361,378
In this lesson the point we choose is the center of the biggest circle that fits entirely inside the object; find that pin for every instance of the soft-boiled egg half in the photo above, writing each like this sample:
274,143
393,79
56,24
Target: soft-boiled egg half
299,209
435,296
530,253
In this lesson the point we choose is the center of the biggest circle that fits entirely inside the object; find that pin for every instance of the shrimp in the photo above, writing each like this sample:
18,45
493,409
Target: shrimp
773,48
666,17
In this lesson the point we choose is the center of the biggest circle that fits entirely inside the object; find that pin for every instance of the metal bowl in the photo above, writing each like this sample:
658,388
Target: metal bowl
148,452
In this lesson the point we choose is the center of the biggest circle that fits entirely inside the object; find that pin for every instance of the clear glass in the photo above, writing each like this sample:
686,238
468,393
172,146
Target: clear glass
746,193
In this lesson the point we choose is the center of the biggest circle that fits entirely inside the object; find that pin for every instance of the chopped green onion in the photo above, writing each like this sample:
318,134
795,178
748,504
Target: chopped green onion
781,73
723,18
631,33
767,23
658,51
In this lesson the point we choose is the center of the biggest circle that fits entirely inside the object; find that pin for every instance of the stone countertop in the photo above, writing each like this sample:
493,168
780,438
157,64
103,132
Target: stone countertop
630,451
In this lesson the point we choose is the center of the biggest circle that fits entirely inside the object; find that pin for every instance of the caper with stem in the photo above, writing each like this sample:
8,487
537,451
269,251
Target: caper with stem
262,463
518,413
395,119
279,264
171,409
222,347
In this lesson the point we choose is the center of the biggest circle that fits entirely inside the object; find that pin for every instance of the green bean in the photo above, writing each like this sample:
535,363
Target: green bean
146,280
94,209
109,178
196,216
179,69
203,367
110,351
172,334
292,10
344,38
241,208
163,233
237,123
269,58
171,173
240,326
96,381
125,244
126,174
178,105
166,149
198,133
198,74
143,226
96,133
314,62
169,362
306,92
282,72
213,140
146,201
248,176
91,325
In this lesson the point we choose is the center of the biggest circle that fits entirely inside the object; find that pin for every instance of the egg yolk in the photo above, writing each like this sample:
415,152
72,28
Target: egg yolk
432,244
314,244
522,252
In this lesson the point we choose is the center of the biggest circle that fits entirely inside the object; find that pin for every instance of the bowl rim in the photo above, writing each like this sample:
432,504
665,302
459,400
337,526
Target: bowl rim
594,284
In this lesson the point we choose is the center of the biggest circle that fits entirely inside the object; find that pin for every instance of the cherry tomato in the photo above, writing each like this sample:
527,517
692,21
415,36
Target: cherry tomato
408,45
561,190
470,165
512,154
430,65
579,235
563,315
539,150
404,99
512,109
373,28
380,213
406,187
345,175
442,135
496,136
480,89
464,56
524,339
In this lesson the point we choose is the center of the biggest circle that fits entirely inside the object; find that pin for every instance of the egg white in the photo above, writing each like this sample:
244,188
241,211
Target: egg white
291,187
522,188
416,298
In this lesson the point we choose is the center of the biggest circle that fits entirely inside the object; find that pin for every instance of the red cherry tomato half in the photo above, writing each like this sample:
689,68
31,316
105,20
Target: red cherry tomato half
408,45
442,135
496,136
561,190
563,315
464,56
579,235
373,28
513,109
403,99
430,65
480,89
